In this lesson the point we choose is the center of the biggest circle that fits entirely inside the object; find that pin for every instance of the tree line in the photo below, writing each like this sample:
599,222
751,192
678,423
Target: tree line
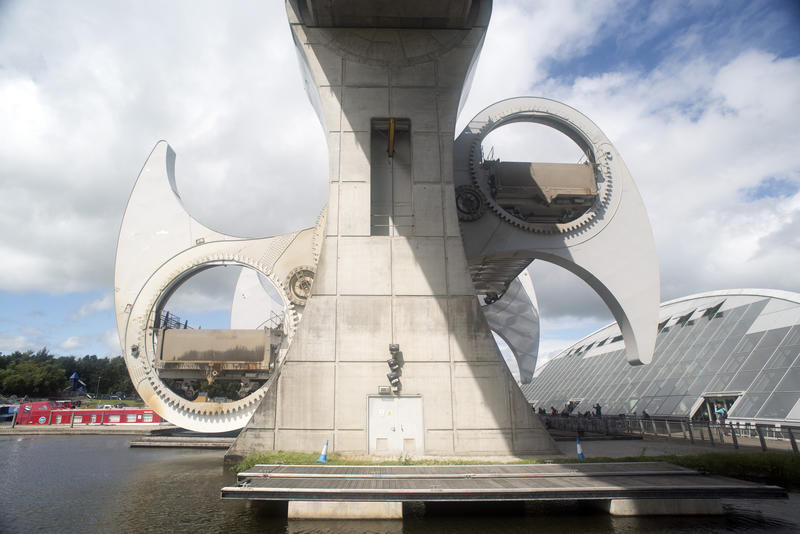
42,374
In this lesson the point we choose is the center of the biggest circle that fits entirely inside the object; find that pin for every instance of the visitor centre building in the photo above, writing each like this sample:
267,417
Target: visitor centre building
740,348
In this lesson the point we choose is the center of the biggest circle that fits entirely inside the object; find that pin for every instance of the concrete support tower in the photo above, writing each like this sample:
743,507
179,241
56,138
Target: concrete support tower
387,79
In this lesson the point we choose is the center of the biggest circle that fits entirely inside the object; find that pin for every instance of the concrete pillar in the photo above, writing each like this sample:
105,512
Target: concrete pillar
344,510
634,507
392,268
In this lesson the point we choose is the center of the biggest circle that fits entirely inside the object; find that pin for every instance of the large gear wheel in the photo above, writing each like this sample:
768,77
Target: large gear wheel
596,155
298,284
144,283
144,369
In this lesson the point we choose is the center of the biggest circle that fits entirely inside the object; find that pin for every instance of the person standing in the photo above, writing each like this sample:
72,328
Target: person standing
721,413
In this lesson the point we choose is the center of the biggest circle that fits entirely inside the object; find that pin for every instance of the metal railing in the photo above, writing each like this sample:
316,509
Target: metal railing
274,321
767,437
170,320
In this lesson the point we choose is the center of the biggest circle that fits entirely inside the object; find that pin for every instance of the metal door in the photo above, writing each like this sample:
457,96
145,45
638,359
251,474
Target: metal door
395,425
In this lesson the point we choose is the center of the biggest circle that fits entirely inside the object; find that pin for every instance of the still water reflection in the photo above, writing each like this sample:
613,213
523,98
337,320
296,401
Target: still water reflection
97,484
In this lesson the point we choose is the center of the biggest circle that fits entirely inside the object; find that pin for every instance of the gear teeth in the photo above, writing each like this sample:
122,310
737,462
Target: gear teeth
571,229
174,403
319,235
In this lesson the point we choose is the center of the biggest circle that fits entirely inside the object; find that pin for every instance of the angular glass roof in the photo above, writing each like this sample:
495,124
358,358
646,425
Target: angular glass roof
742,346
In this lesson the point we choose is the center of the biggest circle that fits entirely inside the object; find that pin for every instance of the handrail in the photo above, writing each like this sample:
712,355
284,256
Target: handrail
170,320
275,320
766,436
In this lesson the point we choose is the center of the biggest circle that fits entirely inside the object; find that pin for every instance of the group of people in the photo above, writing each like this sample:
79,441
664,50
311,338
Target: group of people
720,411
569,408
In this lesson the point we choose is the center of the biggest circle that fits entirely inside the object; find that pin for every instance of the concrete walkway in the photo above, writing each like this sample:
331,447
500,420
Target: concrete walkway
641,447
654,446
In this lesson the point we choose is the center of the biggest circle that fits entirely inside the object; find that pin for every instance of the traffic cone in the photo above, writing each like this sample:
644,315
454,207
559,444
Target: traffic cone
580,450
323,458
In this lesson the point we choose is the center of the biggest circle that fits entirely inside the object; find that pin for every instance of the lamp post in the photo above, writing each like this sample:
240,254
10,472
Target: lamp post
97,391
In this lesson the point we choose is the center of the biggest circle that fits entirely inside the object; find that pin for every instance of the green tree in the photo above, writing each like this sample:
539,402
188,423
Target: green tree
41,374
31,374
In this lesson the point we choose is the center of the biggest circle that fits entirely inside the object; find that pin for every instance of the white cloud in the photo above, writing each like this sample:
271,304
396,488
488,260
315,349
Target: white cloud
711,119
97,305
72,342
695,136
31,331
111,340
14,342
523,38
207,291
85,97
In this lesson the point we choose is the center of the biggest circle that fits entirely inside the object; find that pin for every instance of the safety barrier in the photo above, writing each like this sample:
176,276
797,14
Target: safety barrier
767,437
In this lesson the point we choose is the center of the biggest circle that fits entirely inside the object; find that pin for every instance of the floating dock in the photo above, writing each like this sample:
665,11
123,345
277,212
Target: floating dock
645,488
184,442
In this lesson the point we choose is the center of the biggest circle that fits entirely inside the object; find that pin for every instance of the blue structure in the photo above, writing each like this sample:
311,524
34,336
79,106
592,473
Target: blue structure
75,383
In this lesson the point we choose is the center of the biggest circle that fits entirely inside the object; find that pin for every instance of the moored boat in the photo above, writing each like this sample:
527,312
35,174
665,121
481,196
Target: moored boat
66,413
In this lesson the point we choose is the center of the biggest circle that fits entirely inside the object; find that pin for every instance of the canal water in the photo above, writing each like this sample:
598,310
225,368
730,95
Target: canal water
88,484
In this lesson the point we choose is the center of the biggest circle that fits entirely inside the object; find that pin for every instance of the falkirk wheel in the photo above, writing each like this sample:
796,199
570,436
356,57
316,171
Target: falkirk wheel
381,342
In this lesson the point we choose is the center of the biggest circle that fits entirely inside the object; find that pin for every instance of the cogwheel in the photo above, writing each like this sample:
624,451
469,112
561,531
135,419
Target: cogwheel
470,203
480,180
147,355
298,284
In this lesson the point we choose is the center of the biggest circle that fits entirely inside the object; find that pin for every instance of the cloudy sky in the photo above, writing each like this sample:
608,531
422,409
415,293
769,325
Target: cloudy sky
702,99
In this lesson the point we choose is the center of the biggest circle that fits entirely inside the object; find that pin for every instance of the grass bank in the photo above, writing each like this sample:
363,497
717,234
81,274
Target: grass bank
307,458
778,468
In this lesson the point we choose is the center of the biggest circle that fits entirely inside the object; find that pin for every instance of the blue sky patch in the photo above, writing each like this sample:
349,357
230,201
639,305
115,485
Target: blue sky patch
654,32
771,187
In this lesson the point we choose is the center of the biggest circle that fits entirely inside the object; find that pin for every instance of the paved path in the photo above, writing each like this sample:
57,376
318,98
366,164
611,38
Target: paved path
650,446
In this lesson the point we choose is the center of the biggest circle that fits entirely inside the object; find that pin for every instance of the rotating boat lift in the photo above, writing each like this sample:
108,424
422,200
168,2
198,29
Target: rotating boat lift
587,218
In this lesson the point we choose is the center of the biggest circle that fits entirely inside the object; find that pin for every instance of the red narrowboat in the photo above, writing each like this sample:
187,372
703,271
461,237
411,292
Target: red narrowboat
65,413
